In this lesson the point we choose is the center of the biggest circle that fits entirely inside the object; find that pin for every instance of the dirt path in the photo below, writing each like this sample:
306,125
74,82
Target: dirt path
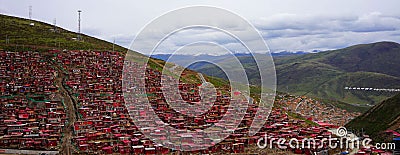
70,110
69,103
203,80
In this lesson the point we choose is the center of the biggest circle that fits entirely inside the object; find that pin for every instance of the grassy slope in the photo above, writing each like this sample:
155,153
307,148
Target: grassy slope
366,65
333,89
377,57
41,36
325,74
379,118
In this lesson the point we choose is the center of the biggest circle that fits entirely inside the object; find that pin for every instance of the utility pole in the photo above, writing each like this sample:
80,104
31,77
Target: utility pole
30,15
79,25
30,12
113,45
55,24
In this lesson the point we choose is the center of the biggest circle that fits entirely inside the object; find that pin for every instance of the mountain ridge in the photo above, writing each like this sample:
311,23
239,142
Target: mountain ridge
276,54
325,74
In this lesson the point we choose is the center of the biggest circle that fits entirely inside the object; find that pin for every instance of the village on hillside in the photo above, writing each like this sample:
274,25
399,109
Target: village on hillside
71,102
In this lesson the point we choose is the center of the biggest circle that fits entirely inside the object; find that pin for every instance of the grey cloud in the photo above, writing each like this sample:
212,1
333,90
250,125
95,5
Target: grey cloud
123,40
327,33
292,32
292,25
304,32
334,40
376,22
92,31
285,24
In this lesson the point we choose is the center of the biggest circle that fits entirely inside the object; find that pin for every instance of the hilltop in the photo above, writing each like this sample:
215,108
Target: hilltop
41,36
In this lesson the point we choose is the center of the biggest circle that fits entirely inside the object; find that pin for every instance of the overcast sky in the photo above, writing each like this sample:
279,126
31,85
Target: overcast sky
291,25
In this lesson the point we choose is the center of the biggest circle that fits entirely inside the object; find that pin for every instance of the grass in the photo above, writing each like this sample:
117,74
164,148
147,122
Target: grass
18,35
334,88
378,119
297,116
325,74
346,106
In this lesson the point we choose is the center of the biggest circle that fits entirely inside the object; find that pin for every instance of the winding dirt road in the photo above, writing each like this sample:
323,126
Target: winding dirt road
70,108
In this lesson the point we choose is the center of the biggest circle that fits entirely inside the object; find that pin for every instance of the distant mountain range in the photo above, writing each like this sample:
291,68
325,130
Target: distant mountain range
323,74
212,57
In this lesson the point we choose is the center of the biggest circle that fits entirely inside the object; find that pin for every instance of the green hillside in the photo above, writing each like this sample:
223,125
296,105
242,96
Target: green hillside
326,74
378,119
18,34
379,57
333,89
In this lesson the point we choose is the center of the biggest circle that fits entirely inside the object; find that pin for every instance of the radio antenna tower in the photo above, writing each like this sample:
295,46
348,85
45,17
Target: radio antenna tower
113,44
79,25
30,12
30,16
55,24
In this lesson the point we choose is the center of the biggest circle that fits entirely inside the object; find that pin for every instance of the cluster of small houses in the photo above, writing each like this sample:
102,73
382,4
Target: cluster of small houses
104,123
317,111
372,89
31,116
